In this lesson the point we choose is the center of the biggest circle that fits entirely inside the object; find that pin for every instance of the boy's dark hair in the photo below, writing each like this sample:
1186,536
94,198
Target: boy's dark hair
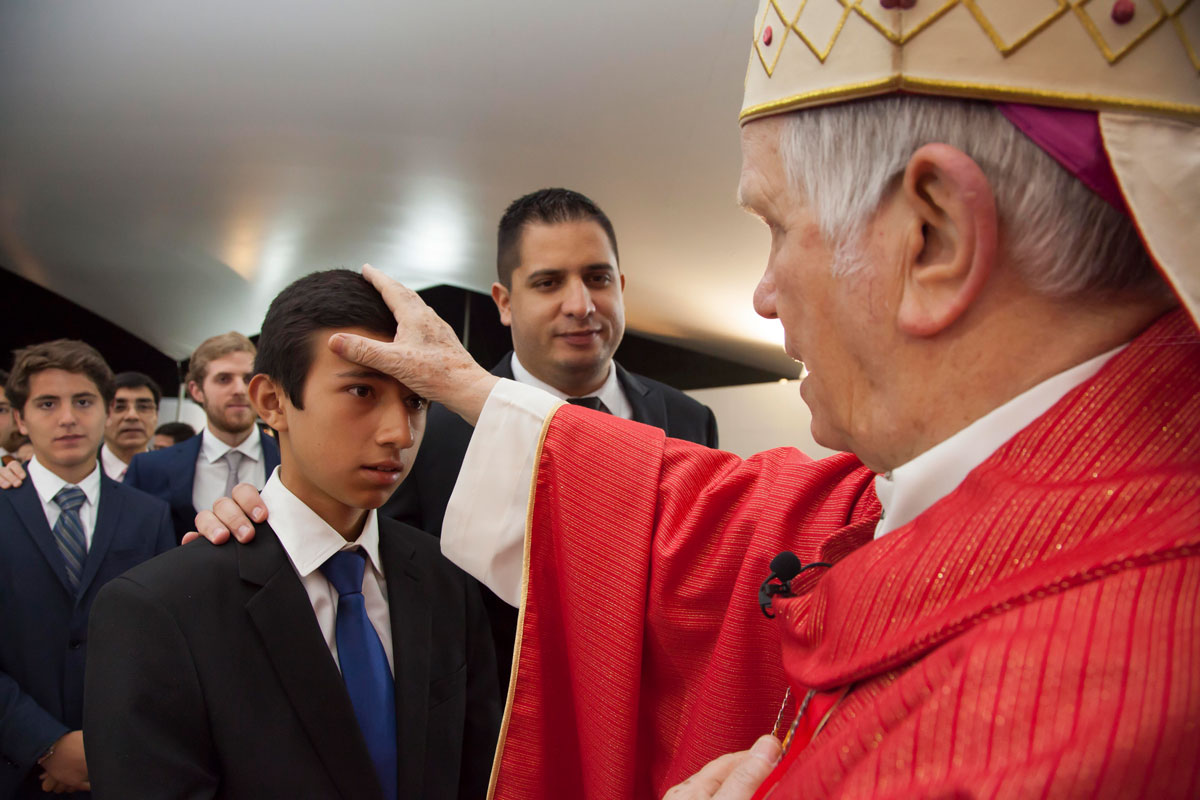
179,431
70,355
336,298
543,207
136,380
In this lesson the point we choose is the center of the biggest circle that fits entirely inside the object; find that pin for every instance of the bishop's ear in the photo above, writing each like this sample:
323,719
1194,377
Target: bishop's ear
951,247
267,397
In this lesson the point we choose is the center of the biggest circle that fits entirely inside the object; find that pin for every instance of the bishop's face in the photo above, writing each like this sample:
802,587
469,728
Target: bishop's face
836,325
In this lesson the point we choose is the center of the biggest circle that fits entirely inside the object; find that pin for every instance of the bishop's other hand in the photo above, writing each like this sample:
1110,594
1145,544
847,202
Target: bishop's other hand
733,776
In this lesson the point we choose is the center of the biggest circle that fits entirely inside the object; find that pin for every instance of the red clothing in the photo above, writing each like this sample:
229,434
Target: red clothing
1033,634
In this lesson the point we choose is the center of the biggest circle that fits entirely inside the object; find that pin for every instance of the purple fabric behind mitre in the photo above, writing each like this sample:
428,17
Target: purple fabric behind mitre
1072,138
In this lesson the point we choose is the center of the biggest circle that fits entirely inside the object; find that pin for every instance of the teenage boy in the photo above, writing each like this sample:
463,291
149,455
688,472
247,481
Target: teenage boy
132,418
339,654
64,533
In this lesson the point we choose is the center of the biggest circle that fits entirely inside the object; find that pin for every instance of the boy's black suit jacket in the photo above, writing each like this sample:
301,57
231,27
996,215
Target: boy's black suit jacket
209,677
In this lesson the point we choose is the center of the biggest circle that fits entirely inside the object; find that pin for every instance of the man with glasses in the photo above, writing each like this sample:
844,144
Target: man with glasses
132,419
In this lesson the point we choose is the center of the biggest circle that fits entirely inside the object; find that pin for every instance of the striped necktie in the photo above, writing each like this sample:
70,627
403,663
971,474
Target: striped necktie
68,532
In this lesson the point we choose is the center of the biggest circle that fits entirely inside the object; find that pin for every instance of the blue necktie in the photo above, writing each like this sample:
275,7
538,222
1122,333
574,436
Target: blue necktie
68,532
364,666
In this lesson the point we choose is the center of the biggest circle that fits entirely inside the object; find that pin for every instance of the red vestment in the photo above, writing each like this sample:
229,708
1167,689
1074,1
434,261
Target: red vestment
1033,634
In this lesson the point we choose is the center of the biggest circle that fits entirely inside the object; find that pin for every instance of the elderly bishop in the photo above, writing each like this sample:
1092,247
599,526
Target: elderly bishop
984,250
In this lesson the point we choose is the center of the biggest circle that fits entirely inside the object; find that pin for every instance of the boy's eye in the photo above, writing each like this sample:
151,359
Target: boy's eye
416,402
360,391
84,402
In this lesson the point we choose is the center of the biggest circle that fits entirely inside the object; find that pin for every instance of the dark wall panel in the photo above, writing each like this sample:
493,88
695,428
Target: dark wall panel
30,314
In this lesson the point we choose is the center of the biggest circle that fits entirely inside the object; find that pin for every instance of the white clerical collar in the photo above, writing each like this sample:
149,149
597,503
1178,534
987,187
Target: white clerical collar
908,490
610,393
114,467
47,484
309,540
213,449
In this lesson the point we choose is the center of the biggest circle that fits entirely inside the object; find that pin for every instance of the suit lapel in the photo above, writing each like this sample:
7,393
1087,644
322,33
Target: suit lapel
504,368
108,516
411,643
648,406
283,615
270,450
29,508
184,476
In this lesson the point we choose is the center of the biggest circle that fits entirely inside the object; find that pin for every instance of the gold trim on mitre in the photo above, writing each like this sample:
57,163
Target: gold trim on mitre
1056,52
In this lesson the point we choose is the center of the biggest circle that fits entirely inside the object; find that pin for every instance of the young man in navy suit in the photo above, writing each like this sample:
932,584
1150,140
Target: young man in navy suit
339,654
63,534
194,473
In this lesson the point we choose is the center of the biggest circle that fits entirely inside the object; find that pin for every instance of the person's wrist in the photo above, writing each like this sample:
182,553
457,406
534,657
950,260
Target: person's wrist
49,752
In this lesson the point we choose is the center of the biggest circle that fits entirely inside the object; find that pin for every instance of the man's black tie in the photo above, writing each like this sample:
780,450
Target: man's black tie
594,403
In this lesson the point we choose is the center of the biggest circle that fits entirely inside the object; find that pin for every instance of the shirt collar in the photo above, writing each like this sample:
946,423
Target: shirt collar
309,540
47,484
213,449
610,393
112,463
910,489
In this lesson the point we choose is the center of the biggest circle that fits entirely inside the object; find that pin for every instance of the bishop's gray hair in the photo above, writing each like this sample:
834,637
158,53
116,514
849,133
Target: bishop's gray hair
1064,239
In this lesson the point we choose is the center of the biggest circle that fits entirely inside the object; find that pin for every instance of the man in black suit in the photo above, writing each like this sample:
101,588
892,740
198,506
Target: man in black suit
228,451
560,290
64,533
338,654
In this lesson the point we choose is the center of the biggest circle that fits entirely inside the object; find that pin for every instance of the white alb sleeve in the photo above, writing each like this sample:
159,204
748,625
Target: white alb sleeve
484,528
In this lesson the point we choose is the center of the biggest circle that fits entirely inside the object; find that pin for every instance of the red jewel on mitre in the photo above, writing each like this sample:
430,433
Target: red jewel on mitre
1122,11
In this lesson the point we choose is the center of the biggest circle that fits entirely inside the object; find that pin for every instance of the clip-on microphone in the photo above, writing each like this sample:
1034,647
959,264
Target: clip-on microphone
784,567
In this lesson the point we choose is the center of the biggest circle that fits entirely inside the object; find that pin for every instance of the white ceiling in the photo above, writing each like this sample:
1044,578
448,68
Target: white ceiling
171,166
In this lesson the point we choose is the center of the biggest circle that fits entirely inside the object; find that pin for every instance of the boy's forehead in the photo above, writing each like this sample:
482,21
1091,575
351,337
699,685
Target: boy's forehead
55,380
325,358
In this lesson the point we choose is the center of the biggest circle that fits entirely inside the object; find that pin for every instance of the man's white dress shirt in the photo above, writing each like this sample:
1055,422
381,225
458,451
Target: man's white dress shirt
114,467
211,471
484,528
309,541
611,393
47,484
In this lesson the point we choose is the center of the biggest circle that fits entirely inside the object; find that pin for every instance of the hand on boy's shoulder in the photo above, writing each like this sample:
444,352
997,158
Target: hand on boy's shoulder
12,475
230,514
